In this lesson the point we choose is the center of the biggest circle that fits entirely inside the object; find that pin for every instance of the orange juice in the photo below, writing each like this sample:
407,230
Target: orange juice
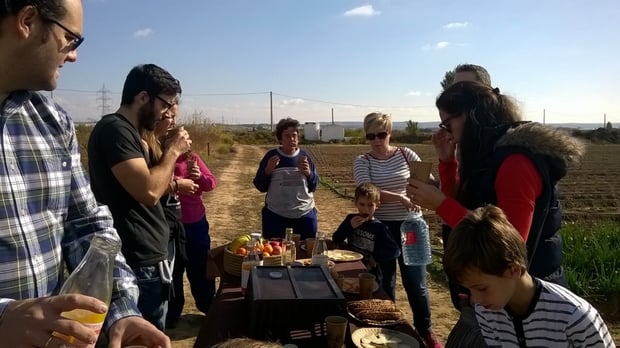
94,321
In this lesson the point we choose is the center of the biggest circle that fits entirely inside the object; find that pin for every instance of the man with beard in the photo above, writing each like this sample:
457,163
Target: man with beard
48,214
122,178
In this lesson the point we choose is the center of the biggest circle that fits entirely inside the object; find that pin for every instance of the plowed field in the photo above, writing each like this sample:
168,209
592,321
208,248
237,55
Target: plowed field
589,191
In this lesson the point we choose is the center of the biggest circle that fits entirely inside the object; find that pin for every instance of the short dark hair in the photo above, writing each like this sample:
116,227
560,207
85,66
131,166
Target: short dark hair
151,79
48,9
368,190
482,75
284,124
485,240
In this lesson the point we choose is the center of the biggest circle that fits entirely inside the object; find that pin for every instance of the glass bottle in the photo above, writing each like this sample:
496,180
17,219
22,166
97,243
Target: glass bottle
415,240
289,248
319,252
250,260
92,277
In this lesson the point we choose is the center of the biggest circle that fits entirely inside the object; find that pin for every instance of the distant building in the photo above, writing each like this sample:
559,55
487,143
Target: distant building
332,132
312,131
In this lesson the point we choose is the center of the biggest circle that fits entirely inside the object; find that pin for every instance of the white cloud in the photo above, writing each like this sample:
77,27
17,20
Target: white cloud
140,33
295,101
414,93
363,11
456,25
439,45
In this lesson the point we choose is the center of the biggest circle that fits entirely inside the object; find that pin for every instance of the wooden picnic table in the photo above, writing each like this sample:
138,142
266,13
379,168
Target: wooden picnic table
229,314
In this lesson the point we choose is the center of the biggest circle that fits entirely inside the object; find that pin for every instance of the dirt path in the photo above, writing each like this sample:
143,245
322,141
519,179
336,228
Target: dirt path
234,208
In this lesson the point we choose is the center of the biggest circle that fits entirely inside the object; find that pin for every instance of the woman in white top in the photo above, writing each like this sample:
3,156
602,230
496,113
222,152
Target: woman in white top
387,167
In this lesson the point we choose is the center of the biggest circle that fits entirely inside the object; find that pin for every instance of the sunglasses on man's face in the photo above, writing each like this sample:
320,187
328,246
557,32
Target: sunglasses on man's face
373,136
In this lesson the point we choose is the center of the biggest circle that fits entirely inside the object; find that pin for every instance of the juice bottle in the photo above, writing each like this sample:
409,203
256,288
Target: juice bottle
92,277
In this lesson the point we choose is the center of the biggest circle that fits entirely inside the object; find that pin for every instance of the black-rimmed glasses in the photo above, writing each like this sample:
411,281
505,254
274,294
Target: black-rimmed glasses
168,104
373,136
77,39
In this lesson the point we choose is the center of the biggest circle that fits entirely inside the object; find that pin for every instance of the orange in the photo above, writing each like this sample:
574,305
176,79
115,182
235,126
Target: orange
268,248
266,253
241,251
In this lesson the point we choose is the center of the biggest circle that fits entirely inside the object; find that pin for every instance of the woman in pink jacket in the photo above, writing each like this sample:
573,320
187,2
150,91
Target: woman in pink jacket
198,241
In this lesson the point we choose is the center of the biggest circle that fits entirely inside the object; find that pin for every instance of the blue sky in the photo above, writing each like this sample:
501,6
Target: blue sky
353,56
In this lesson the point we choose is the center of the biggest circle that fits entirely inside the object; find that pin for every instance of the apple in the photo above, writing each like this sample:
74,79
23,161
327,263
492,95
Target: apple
277,250
274,243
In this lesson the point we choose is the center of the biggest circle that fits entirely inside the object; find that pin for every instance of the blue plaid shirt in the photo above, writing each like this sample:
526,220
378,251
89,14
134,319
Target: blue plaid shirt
47,211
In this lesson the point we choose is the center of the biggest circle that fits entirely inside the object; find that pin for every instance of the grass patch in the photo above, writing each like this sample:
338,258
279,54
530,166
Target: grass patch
591,258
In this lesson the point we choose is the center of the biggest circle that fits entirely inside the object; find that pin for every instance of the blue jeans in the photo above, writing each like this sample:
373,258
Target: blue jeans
152,303
274,225
414,282
198,243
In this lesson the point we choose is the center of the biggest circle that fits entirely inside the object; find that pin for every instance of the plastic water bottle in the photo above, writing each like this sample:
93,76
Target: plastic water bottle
319,252
415,240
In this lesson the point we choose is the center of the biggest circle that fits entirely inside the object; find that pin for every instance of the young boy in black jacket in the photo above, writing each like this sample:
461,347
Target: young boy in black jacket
368,236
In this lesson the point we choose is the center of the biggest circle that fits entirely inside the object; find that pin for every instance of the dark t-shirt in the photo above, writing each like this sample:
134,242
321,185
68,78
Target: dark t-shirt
143,229
370,238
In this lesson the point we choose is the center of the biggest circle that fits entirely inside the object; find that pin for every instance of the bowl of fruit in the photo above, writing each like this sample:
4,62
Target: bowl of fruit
270,253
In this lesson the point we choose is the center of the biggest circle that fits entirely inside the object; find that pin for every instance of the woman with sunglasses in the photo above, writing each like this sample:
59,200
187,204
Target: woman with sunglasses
387,167
503,161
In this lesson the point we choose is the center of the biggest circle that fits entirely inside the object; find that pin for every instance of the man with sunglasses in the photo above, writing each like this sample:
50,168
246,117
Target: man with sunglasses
123,177
48,213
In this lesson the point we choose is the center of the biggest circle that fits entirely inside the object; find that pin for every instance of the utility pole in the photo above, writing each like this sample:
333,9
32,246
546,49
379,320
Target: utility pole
544,116
103,99
604,120
271,108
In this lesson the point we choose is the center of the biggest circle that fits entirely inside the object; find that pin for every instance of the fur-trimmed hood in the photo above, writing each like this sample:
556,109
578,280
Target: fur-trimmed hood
546,141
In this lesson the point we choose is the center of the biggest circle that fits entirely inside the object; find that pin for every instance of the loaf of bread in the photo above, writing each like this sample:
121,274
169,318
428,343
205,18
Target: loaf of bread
375,310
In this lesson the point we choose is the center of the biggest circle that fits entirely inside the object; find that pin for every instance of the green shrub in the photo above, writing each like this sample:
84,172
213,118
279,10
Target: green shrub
591,257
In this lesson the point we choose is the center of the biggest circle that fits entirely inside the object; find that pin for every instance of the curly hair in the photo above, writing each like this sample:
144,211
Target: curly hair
285,124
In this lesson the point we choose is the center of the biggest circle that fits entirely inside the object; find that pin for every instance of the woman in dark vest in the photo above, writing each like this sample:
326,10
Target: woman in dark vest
503,161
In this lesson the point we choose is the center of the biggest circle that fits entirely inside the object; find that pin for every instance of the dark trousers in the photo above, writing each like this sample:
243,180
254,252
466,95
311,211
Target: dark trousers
152,302
274,225
414,282
203,289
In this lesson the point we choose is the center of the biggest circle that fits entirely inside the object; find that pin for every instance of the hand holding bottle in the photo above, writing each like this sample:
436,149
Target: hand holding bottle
28,323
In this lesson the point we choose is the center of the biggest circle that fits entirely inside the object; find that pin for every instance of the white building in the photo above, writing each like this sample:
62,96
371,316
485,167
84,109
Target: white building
312,131
332,132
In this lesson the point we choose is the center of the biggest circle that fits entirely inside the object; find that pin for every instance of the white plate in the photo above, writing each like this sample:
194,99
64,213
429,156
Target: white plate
406,340
340,255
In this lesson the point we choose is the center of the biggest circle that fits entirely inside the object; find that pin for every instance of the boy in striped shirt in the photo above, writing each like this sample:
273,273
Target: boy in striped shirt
486,255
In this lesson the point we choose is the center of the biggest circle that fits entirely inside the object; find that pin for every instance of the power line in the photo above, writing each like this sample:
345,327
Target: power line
104,98
356,105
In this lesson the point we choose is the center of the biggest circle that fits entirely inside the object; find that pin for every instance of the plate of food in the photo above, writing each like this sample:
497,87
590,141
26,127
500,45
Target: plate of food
376,337
375,312
352,285
308,262
341,255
